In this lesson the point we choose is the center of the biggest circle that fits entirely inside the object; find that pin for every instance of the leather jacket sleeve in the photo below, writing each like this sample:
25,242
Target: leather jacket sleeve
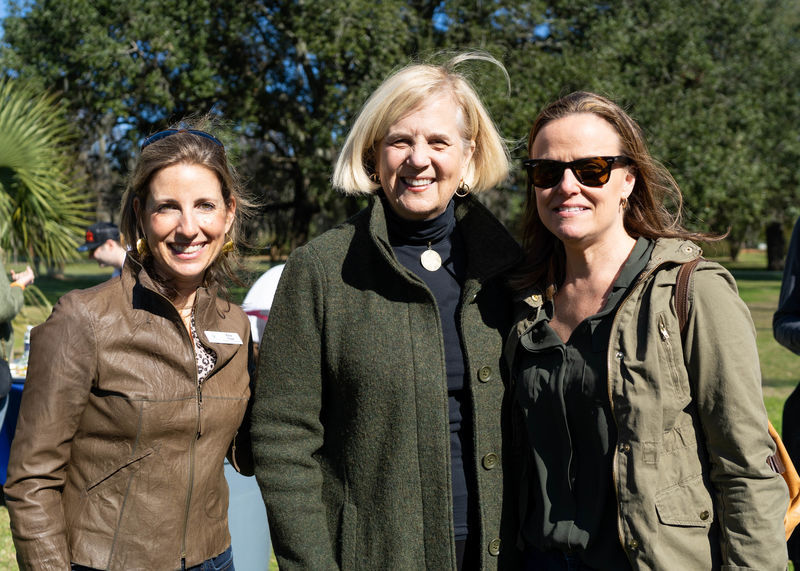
722,358
60,374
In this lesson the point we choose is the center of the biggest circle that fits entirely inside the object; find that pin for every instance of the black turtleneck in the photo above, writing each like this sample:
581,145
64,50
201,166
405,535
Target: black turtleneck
409,239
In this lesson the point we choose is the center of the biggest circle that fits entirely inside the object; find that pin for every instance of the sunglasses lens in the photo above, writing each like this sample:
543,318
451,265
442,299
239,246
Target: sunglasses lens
592,172
546,174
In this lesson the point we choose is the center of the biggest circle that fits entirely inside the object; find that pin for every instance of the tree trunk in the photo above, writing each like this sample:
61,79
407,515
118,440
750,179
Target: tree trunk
776,246
734,246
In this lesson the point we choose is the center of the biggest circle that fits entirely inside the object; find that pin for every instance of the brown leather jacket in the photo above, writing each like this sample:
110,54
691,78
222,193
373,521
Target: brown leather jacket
117,461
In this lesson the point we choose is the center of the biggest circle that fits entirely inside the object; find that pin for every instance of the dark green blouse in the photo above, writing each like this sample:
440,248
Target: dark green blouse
571,432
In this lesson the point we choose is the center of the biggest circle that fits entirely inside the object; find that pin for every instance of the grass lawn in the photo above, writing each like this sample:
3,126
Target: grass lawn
758,288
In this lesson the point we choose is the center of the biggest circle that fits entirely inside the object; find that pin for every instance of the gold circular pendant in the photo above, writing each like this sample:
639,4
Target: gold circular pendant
430,260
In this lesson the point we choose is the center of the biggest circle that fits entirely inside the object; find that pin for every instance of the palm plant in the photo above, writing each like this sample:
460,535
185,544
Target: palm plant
42,210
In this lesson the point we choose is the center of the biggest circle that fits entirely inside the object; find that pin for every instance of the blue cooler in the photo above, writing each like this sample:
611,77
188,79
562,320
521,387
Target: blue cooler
247,521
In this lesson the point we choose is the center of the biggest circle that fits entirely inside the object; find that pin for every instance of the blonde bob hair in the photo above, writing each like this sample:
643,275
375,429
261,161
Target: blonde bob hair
407,90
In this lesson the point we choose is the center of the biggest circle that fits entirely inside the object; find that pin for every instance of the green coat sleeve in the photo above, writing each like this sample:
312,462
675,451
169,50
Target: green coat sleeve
286,428
721,356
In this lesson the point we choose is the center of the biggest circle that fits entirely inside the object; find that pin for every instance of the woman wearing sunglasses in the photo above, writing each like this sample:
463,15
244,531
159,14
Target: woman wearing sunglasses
648,446
136,388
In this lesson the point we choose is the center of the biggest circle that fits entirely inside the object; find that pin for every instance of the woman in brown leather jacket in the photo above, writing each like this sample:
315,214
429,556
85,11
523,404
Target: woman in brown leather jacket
137,388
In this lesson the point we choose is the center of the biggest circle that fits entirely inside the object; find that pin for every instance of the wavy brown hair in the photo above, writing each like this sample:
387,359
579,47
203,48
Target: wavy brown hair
647,214
185,148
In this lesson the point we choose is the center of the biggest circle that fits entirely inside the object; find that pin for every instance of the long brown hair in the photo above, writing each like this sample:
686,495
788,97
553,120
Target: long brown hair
185,147
654,206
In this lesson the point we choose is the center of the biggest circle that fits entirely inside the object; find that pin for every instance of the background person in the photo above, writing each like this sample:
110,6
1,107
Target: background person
378,423
102,243
137,387
11,302
647,448
786,329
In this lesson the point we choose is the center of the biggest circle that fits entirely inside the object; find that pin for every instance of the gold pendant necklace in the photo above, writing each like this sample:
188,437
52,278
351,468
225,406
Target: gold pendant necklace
430,259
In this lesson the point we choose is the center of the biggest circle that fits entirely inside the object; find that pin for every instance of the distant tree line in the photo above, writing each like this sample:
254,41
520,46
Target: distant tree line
715,83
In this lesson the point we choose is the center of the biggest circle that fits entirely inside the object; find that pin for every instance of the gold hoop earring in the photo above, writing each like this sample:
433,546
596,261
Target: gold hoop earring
375,177
228,246
141,247
463,189
624,203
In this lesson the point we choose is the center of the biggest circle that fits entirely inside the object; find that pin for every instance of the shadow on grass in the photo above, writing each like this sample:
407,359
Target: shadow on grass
82,275
756,275
779,383
54,288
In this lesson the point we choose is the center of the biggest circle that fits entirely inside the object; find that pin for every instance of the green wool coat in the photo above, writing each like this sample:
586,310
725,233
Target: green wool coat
350,418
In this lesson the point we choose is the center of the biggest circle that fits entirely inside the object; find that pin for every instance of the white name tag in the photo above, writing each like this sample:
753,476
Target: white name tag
224,337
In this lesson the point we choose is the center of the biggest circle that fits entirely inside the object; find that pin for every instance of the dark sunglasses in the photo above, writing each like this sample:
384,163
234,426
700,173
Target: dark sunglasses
591,171
167,132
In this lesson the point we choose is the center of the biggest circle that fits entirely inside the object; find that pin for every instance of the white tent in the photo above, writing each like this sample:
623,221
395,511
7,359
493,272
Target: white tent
258,300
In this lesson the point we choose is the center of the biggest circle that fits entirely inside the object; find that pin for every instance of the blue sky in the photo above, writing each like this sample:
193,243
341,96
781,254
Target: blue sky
3,12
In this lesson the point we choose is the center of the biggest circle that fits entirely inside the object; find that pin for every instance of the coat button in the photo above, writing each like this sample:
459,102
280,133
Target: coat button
484,374
619,355
490,461
633,545
624,447
704,515
494,546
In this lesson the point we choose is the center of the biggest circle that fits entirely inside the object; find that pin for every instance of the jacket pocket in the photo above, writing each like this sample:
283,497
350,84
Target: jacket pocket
129,465
687,504
673,357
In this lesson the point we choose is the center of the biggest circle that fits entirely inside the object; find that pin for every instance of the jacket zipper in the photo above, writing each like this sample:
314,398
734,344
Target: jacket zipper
665,338
198,425
198,431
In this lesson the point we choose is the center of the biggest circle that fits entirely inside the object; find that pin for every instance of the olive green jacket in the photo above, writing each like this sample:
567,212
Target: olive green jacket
350,420
11,300
694,490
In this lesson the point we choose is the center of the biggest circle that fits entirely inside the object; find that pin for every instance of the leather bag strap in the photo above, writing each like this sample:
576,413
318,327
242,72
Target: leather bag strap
682,292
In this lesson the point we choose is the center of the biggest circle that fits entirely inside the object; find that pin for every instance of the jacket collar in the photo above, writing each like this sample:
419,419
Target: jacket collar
672,250
490,248
665,251
209,316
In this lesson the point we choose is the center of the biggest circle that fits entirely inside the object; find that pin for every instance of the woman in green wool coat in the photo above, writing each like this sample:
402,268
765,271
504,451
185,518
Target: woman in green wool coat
379,423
